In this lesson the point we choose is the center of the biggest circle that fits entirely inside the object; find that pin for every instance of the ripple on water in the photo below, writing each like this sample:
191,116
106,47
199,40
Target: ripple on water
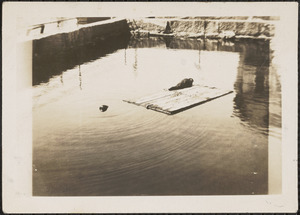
130,150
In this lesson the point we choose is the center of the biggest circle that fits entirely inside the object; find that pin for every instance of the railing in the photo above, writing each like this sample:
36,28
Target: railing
60,24
42,26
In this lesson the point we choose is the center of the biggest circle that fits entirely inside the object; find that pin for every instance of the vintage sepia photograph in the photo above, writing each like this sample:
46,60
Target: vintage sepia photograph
154,105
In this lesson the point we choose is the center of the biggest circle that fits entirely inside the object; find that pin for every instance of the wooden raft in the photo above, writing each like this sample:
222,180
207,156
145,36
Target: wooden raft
171,102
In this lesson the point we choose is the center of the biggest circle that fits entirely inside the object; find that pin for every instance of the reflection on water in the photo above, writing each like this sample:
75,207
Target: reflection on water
219,148
47,65
252,88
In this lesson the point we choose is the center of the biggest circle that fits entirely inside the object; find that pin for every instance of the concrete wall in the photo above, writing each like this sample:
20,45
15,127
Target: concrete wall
90,33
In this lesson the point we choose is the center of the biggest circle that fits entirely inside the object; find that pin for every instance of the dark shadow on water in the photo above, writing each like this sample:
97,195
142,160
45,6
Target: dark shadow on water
256,51
47,65
251,103
168,41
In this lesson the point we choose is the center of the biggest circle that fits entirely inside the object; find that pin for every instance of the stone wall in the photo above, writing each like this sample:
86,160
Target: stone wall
208,27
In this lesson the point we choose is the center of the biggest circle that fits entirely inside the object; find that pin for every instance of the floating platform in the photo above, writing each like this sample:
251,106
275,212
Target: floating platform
171,102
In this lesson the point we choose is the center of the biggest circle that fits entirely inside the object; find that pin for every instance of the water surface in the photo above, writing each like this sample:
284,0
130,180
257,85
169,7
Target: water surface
218,148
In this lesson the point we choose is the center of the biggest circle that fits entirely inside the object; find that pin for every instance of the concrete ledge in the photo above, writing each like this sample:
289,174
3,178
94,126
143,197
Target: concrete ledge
90,33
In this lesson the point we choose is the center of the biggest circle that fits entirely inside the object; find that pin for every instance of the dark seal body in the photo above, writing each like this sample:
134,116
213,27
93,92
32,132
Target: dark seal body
168,29
103,108
187,82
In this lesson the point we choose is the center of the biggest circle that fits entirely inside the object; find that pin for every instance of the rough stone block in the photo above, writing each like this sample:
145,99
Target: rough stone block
226,26
140,24
181,26
198,26
252,29
268,30
190,26
211,27
240,28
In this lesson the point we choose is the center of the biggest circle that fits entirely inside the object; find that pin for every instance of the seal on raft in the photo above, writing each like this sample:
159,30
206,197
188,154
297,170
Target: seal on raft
187,82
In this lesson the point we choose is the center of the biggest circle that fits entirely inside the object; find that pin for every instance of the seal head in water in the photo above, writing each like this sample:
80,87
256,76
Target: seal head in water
103,108
187,82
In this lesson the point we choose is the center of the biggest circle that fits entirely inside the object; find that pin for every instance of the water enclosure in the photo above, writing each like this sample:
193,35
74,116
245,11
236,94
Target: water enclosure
218,148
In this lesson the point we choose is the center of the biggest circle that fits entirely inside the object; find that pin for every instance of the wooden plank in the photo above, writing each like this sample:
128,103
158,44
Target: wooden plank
179,98
153,97
183,101
171,102
162,95
180,107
